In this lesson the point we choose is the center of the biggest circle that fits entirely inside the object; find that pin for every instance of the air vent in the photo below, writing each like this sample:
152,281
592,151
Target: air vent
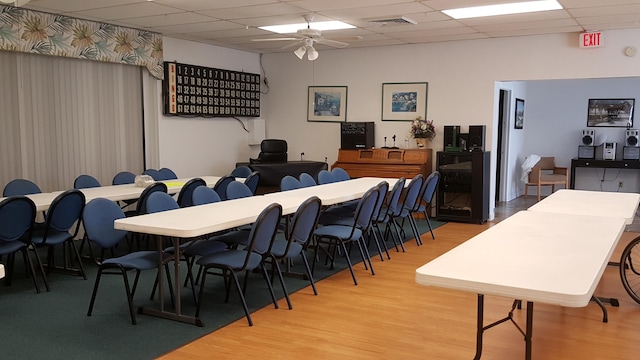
400,20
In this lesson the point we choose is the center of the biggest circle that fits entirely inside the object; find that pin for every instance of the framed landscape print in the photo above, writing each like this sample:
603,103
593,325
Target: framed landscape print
404,101
519,115
610,113
327,103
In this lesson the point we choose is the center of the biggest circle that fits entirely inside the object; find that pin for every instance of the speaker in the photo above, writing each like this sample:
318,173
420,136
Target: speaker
588,137
631,137
586,152
451,134
631,152
356,135
476,137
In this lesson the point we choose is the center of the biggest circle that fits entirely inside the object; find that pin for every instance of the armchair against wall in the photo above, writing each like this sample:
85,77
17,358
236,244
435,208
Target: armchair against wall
546,173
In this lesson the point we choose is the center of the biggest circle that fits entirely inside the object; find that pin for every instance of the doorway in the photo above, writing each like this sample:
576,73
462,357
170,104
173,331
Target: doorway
502,143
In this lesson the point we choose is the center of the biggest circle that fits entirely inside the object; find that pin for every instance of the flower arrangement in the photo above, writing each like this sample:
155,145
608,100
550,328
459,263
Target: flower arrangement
422,129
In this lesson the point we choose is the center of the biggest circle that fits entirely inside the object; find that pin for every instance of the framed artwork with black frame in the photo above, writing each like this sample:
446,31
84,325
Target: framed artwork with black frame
327,103
404,101
610,113
519,114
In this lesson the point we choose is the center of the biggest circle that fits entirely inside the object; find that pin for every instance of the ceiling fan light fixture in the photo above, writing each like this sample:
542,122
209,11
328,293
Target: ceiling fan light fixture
312,53
300,52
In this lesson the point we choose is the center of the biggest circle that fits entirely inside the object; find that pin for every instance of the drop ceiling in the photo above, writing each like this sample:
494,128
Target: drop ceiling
234,23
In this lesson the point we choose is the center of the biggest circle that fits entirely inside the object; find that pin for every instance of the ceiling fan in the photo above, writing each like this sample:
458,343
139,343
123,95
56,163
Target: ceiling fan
15,2
306,38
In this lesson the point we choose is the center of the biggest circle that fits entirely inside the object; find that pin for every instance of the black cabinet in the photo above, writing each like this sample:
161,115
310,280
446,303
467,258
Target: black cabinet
463,191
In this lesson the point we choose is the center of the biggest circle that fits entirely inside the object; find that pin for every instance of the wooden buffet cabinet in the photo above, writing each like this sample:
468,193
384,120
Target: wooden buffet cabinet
391,163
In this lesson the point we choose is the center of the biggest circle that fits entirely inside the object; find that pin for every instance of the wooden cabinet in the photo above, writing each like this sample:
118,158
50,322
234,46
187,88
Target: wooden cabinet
392,163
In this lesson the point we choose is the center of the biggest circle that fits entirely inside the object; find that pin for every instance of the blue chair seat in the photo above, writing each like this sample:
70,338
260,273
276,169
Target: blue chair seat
54,237
280,246
233,259
140,260
203,247
342,232
9,247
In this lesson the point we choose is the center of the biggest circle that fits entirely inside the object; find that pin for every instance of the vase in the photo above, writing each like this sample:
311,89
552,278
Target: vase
422,142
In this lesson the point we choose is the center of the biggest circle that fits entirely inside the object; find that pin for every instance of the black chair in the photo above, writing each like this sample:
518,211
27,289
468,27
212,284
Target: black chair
185,197
235,261
17,215
61,227
271,151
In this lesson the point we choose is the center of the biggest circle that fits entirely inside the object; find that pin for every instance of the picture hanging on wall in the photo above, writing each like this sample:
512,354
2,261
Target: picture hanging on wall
327,103
519,115
610,113
404,101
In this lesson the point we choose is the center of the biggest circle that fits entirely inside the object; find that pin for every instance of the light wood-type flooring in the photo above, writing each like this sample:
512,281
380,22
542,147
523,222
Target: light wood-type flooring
389,316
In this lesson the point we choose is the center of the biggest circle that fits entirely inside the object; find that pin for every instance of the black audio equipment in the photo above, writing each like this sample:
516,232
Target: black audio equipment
451,141
588,137
476,137
356,135
631,137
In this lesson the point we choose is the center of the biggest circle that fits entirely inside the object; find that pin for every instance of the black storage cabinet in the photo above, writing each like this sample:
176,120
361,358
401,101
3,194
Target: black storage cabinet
463,191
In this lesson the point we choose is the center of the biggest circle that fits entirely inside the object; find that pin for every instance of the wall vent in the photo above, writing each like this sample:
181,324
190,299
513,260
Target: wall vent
396,20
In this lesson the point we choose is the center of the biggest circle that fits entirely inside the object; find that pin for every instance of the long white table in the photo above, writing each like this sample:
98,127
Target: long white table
535,256
196,221
114,192
598,203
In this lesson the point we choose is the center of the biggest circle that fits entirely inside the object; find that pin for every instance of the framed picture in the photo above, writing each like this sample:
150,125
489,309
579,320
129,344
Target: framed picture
519,115
404,101
327,103
610,113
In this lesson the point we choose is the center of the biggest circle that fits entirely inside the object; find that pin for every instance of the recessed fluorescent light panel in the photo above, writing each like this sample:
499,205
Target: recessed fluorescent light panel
321,25
503,9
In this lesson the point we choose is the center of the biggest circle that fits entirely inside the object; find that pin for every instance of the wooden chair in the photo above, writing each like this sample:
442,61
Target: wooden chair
546,173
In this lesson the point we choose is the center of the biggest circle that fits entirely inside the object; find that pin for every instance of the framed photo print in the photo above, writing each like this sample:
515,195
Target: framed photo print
519,115
610,113
327,103
404,101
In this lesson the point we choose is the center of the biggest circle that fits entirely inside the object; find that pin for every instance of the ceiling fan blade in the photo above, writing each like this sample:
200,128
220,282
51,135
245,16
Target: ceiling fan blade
275,39
293,44
334,43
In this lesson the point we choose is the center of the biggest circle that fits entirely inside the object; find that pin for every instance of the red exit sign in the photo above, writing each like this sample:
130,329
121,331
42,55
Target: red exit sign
591,39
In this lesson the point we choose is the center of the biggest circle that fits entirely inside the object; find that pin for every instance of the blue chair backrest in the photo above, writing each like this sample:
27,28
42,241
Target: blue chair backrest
264,229
17,215
430,186
85,181
289,183
155,174
221,186
364,211
237,190
98,217
325,177
124,177
307,180
411,199
241,171
65,210
160,201
305,220
339,174
141,207
20,187
204,195
393,201
252,181
185,197
167,174
383,189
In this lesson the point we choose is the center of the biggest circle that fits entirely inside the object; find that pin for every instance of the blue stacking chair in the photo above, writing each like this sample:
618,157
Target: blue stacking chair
241,171
252,181
339,235
237,190
426,200
307,180
17,215
404,211
85,181
98,216
204,195
185,197
123,177
340,174
155,174
253,256
325,177
221,186
20,187
289,183
167,174
384,215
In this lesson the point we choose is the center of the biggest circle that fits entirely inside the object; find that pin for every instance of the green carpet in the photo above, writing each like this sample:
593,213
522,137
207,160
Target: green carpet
54,325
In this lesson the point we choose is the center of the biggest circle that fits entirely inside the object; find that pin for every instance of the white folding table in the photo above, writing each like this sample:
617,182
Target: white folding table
544,257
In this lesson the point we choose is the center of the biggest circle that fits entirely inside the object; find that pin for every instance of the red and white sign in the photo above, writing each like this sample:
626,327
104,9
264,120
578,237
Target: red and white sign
172,89
591,39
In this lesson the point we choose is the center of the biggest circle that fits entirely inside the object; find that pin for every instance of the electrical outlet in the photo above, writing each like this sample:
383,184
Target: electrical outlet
619,184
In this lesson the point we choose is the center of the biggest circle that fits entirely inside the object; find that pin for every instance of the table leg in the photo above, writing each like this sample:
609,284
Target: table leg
529,334
480,326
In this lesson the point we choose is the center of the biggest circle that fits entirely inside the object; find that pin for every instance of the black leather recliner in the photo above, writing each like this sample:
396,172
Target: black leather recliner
271,151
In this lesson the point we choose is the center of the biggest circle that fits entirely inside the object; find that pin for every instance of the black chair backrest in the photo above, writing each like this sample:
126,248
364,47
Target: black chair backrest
252,181
141,207
221,186
185,197
65,211
272,151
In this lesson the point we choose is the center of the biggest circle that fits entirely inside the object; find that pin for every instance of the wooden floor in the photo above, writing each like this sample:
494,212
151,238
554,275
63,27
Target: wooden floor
389,316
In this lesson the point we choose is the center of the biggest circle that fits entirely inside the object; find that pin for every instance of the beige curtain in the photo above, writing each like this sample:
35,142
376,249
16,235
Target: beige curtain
64,117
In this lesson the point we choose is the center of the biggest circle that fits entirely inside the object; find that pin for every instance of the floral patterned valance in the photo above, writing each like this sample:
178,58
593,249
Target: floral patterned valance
49,34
